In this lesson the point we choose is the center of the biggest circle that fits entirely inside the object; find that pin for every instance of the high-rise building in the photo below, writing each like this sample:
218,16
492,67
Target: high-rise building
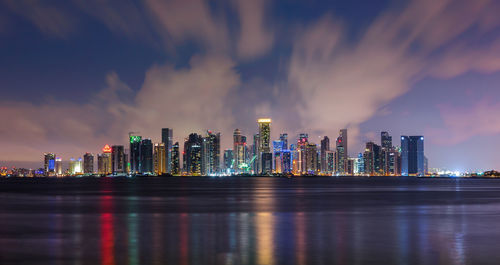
75,166
341,152
146,158
239,146
386,140
117,159
255,154
325,147
278,147
135,154
359,165
311,159
372,161
211,154
49,164
265,144
267,163
175,165
301,153
58,166
192,154
330,162
104,161
284,139
88,163
412,156
286,161
167,138
159,154
228,160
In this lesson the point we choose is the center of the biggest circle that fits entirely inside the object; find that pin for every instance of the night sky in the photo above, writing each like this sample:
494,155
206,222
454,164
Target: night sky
78,74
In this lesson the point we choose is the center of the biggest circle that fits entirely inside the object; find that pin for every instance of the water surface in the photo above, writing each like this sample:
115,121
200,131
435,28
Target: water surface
249,221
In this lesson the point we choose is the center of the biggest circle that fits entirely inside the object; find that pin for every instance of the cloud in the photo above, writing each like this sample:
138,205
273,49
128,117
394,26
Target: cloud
464,122
188,99
183,20
58,126
255,38
49,18
344,83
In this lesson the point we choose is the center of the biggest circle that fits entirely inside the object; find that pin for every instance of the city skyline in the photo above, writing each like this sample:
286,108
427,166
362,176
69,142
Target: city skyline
76,76
203,156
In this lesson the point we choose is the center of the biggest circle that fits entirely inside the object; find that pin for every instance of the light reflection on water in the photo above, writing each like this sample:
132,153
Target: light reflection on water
120,231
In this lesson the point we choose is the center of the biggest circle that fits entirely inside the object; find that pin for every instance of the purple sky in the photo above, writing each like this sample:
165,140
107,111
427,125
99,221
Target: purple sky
78,74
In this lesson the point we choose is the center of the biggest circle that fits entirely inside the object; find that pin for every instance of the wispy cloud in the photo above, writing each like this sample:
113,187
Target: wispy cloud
343,84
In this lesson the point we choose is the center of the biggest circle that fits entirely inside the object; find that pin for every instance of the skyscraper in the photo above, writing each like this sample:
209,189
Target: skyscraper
239,146
412,156
386,140
255,153
167,138
49,164
228,160
104,161
311,159
75,166
58,166
146,159
175,164
192,150
135,154
117,159
88,163
284,139
325,147
278,147
341,154
265,144
372,159
211,153
159,159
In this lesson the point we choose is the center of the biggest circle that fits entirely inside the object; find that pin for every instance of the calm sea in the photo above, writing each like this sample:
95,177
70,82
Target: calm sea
249,221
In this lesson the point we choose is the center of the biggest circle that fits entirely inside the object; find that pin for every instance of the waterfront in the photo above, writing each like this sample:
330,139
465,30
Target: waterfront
196,220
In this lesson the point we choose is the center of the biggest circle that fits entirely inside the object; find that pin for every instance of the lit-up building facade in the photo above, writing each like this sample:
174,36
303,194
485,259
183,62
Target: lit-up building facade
211,154
192,154
412,156
167,138
265,146
88,163
159,159
146,156
118,159
175,165
135,154
49,164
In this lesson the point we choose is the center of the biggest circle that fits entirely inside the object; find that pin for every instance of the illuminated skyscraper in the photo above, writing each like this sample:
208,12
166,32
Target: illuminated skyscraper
412,156
159,159
278,147
265,145
75,166
211,154
117,159
341,154
311,159
284,139
135,154
286,161
175,165
104,161
146,159
255,153
302,142
58,166
192,150
372,159
228,160
239,146
49,164
88,163
386,140
325,148
167,138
